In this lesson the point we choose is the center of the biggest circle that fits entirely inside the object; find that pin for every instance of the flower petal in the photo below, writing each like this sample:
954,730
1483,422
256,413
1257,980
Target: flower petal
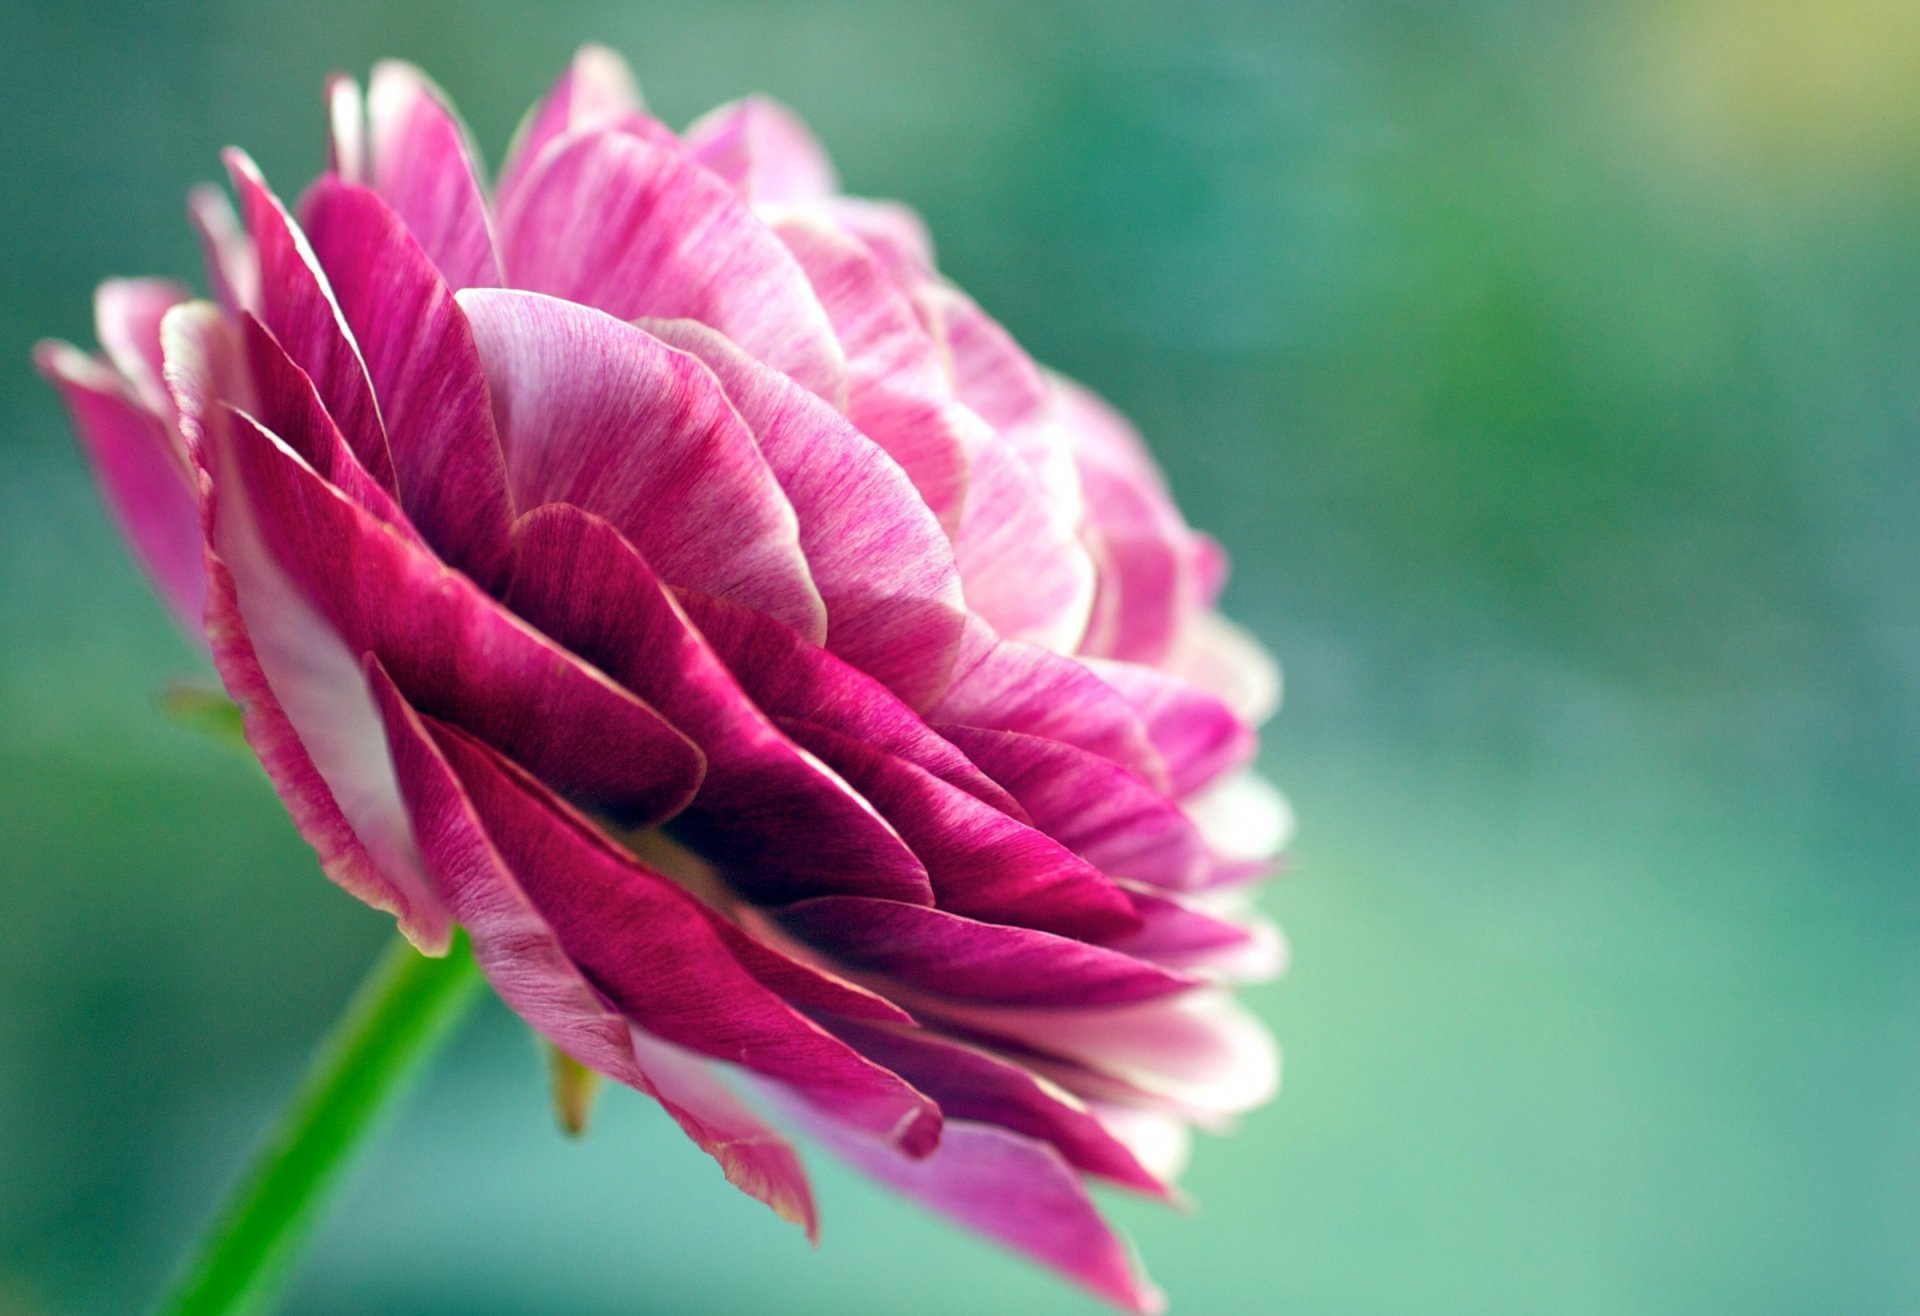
1022,565
764,151
602,415
597,88
142,475
426,375
233,271
883,568
126,320
635,228
1198,737
1224,660
425,167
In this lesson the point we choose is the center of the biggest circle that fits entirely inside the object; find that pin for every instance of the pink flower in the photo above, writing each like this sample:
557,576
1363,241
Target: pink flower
654,567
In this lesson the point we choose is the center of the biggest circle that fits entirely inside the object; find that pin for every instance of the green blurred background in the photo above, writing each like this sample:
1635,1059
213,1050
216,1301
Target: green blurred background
1550,369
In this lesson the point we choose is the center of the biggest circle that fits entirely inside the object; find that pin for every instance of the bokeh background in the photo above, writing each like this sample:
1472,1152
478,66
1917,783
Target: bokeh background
1551,370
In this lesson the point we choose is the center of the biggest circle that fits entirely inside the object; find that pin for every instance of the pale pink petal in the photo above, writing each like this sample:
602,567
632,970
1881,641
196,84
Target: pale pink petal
1224,660
126,320
1022,564
426,167
764,151
597,89
1197,735
233,271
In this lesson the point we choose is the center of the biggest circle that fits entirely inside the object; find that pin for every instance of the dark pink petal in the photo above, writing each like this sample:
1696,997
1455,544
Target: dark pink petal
898,393
142,474
779,823
1196,735
670,964
1016,1190
304,703
1007,686
298,305
126,320
1022,564
524,962
635,228
983,863
426,374
971,1084
426,168
1145,587
763,150
602,415
877,555
1095,807
597,89
233,272
789,678
457,653
1231,944
944,954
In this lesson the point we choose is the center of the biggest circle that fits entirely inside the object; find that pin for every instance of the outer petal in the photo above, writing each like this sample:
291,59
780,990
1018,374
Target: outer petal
597,89
297,303
780,823
1231,944
1197,736
898,393
426,168
233,271
426,375
1022,564
142,475
671,965
305,706
635,228
763,150
126,320
931,950
523,960
456,652
884,569
1224,660
1016,1190
602,415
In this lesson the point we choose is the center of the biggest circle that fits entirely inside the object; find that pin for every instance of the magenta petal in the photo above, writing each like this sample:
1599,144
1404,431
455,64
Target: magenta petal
1014,1189
425,167
944,954
1219,946
884,569
1006,686
971,1084
1095,807
983,863
458,654
525,964
780,823
1197,736
602,415
126,320
306,708
298,305
233,272
635,228
142,474
669,963
425,370
898,393
597,88
763,150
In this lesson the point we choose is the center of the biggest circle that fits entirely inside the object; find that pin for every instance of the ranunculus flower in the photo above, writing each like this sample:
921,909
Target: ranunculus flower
652,566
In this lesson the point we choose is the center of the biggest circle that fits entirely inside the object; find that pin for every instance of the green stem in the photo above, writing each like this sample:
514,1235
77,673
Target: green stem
403,1011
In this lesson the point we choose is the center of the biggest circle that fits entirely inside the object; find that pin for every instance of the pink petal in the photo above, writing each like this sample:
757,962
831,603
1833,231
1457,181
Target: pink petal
426,168
142,475
1013,1189
780,823
597,89
1197,736
884,569
635,228
602,415
1230,944
975,1085
1095,807
458,654
946,955
233,272
526,965
1219,657
898,394
982,863
126,320
667,962
305,706
346,129
1002,685
425,370
894,233
1022,565
764,152
297,303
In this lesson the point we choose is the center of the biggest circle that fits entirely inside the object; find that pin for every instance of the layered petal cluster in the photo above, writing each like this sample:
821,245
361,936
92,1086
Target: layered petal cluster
651,565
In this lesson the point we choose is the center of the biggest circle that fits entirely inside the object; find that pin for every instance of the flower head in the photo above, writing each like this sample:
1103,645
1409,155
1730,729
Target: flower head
654,567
